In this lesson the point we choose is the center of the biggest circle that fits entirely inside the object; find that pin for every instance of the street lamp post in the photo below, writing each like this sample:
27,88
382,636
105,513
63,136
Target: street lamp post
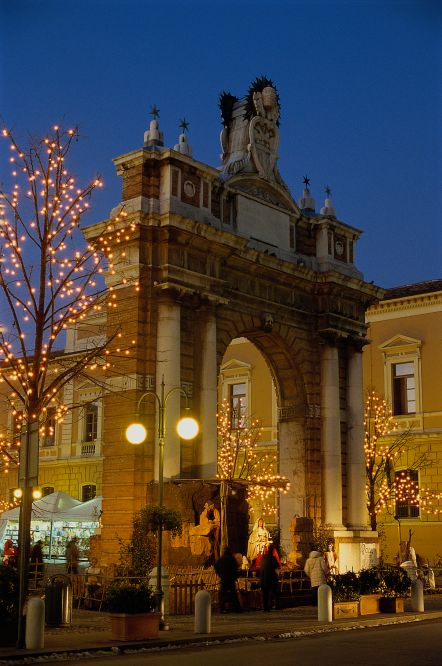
136,433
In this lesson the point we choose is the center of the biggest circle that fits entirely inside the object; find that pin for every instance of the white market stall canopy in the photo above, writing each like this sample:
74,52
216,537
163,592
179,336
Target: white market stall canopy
60,507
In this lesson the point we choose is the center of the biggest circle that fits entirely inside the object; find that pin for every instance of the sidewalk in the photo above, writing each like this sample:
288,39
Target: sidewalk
90,630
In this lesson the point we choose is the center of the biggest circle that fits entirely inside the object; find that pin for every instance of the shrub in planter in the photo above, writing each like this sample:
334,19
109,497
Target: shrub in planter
127,596
369,586
131,605
395,583
345,587
369,581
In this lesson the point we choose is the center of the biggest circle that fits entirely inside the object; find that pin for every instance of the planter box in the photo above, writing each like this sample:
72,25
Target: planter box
345,609
369,604
134,627
391,604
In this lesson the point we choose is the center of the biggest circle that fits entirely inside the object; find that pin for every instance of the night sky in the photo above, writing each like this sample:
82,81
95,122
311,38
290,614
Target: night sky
359,83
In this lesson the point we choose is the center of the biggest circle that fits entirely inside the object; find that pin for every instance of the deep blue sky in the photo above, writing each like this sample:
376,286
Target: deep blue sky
359,82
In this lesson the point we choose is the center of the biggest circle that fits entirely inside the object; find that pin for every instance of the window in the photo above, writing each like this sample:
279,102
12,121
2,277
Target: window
407,489
90,422
88,492
403,379
238,405
48,438
47,490
404,388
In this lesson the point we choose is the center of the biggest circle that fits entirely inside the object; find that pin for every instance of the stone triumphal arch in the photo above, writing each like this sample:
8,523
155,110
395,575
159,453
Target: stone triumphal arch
220,253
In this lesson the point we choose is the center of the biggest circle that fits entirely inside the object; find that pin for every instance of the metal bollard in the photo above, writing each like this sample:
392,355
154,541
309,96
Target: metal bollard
325,604
203,612
417,596
35,624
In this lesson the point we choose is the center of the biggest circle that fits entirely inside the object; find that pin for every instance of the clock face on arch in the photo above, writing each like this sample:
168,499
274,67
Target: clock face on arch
339,248
189,188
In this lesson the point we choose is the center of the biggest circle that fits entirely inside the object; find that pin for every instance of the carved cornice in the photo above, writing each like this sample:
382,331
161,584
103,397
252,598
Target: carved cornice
409,306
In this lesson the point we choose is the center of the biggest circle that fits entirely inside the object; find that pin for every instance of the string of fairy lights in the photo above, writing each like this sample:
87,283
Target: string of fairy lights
239,459
385,447
49,284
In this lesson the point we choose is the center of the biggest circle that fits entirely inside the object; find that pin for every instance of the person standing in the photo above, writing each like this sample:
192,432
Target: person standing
72,556
37,566
317,570
268,575
227,569
10,554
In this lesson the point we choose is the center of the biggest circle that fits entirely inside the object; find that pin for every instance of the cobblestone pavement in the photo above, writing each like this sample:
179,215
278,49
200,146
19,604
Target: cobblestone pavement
90,630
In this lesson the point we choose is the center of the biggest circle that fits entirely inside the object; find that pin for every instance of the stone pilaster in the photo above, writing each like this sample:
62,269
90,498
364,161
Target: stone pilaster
169,367
331,438
356,497
207,451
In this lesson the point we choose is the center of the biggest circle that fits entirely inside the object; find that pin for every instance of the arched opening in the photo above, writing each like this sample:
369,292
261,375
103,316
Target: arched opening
248,444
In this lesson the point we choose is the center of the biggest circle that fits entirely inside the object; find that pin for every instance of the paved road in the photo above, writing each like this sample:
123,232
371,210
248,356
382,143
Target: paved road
416,644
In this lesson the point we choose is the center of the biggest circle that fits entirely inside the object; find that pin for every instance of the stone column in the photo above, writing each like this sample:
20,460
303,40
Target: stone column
169,367
207,447
356,496
292,465
331,438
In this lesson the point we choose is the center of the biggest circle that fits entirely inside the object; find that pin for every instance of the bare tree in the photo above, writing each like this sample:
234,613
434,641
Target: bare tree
241,462
385,447
50,279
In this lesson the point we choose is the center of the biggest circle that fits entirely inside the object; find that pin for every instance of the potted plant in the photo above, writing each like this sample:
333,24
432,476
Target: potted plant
369,588
395,586
8,605
131,604
345,595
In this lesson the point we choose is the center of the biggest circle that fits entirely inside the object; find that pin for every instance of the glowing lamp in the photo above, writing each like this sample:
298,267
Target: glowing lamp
187,428
136,433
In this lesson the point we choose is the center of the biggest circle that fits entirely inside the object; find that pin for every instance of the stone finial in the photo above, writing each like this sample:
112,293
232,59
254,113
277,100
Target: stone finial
327,208
306,203
182,146
153,136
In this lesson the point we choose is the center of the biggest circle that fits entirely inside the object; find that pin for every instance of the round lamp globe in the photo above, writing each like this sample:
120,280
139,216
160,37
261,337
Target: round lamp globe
136,433
187,428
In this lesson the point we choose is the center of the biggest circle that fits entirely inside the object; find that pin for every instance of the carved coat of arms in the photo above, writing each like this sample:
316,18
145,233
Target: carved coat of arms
250,137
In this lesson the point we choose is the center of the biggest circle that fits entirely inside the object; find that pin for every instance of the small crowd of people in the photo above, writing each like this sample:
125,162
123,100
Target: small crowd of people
263,558
72,552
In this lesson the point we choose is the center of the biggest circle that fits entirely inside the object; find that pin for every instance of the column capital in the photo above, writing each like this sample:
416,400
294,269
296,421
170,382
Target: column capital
356,344
331,336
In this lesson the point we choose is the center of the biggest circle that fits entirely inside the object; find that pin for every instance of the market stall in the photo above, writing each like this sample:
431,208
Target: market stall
55,519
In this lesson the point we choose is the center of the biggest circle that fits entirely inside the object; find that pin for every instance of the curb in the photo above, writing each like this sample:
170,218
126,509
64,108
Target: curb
204,640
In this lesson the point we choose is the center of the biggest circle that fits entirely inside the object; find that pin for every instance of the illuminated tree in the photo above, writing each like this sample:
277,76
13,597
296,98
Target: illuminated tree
50,279
241,462
384,446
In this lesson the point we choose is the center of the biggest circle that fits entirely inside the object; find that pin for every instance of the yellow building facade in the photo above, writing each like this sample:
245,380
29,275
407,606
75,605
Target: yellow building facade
403,364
